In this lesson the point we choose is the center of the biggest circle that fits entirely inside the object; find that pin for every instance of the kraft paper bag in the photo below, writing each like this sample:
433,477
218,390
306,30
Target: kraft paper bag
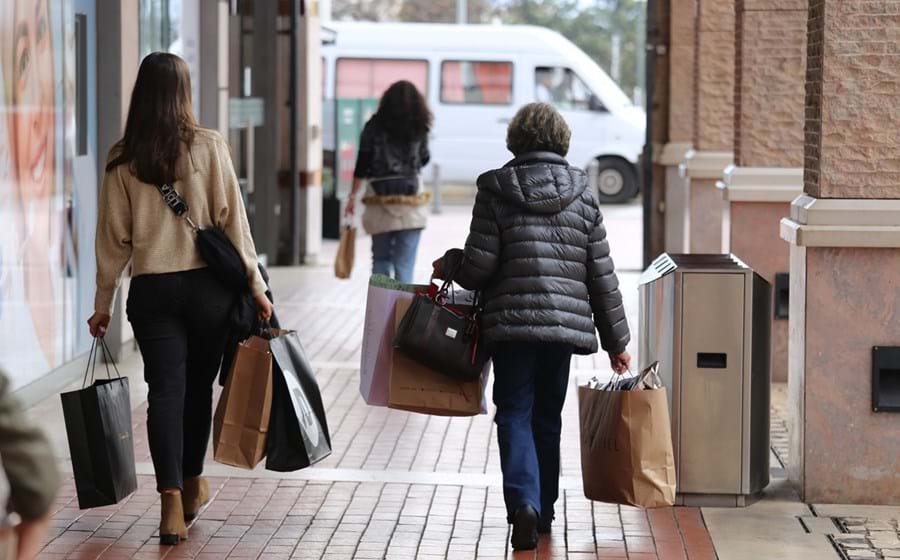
626,447
241,422
343,263
418,388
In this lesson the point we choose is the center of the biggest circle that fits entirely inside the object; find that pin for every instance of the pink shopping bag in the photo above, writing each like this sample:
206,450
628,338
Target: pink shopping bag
378,337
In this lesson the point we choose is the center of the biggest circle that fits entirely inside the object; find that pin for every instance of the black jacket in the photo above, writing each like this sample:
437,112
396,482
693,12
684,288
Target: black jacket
537,248
379,155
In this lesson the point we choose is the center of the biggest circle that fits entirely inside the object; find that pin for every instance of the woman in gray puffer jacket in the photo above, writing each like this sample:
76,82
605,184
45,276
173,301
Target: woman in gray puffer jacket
537,249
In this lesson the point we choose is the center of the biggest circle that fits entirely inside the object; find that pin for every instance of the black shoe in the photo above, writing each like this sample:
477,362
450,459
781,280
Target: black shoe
544,526
524,533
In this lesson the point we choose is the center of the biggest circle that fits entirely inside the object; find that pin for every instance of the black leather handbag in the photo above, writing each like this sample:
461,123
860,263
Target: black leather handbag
443,336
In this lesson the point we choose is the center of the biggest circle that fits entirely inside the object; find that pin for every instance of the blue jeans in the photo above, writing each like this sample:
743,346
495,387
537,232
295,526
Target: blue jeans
530,382
394,254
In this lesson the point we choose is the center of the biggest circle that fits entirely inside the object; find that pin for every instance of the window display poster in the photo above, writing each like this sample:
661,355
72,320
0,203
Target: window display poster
38,251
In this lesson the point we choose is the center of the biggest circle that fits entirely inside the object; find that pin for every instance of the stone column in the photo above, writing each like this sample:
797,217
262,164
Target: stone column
310,131
844,237
118,59
214,65
713,134
770,59
682,35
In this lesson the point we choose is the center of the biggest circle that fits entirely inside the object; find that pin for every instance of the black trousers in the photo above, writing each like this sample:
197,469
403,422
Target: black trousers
180,321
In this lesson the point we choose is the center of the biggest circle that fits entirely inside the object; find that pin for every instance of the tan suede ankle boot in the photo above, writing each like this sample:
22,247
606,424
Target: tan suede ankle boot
194,496
172,529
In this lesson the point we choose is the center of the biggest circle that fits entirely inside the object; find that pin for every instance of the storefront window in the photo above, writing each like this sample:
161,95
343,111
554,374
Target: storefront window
40,253
160,26
173,26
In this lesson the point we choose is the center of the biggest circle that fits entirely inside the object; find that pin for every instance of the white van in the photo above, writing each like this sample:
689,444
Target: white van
475,77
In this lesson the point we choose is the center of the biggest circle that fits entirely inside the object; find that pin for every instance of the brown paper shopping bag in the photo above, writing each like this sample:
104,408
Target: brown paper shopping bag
343,263
626,447
242,415
417,388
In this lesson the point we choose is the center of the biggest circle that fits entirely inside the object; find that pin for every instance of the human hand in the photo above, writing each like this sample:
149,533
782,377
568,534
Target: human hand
98,324
30,536
620,362
264,307
350,208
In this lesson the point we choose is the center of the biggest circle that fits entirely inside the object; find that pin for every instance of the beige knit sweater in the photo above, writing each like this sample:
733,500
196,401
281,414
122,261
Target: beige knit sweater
134,223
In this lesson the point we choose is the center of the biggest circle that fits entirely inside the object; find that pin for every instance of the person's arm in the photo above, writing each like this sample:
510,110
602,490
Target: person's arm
232,219
479,261
424,152
232,216
112,246
603,288
362,170
30,467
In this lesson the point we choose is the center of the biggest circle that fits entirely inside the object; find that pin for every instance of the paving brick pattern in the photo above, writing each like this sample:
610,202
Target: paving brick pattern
868,538
447,503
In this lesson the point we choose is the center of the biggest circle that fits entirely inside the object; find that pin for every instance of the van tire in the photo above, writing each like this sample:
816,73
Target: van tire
615,181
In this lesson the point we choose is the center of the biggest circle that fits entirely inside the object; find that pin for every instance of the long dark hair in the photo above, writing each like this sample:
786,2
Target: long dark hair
160,120
403,113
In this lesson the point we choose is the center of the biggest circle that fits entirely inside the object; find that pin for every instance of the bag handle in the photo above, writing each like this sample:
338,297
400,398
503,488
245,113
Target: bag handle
91,367
447,288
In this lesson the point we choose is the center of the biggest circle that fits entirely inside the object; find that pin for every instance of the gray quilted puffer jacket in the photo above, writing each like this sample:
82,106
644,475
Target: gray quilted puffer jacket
537,248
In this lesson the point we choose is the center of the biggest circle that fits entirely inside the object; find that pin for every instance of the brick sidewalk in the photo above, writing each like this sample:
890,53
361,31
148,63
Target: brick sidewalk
398,485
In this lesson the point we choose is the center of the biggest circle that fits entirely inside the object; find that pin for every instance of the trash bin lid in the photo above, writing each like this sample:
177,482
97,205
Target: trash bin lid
668,263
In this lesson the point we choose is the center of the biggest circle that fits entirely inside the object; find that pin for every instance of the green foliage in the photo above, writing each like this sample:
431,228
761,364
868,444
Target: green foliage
591,26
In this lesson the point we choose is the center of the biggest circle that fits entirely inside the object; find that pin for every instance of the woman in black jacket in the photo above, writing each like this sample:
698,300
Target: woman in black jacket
393,149
537,248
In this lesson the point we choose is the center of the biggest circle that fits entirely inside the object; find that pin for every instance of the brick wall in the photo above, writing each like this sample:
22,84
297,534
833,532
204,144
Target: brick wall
853,141
683,14
770,60
714,76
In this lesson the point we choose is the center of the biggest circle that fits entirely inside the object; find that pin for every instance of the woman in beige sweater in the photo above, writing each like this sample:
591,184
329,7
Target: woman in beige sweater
179,310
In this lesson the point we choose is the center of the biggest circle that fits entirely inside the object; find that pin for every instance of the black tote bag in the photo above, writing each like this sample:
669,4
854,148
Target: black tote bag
101,442
298,429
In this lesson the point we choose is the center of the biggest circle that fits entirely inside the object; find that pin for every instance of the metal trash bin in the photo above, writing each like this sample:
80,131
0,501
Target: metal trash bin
706,319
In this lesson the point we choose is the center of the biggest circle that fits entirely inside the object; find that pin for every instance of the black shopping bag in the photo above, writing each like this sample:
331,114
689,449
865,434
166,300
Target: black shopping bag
298,429
101,443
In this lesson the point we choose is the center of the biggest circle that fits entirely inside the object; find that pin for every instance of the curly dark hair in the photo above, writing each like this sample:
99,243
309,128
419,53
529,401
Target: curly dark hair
403,112
538,127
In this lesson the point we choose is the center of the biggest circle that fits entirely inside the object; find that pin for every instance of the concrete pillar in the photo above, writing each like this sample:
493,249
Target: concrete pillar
844,237
658,62
682,35
118,59
268,83
214,65
770,60
713,136
310,141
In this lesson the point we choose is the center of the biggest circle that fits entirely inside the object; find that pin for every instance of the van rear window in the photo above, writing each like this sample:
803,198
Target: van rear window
476,82
361,78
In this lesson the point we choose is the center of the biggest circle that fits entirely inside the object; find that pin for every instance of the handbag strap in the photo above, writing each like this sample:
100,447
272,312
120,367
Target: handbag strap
176,203
447,289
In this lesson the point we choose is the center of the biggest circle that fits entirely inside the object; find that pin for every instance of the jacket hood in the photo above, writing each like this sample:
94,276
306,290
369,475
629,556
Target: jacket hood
540,182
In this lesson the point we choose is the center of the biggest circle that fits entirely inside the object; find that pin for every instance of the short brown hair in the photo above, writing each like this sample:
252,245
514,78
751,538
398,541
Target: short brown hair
538,127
